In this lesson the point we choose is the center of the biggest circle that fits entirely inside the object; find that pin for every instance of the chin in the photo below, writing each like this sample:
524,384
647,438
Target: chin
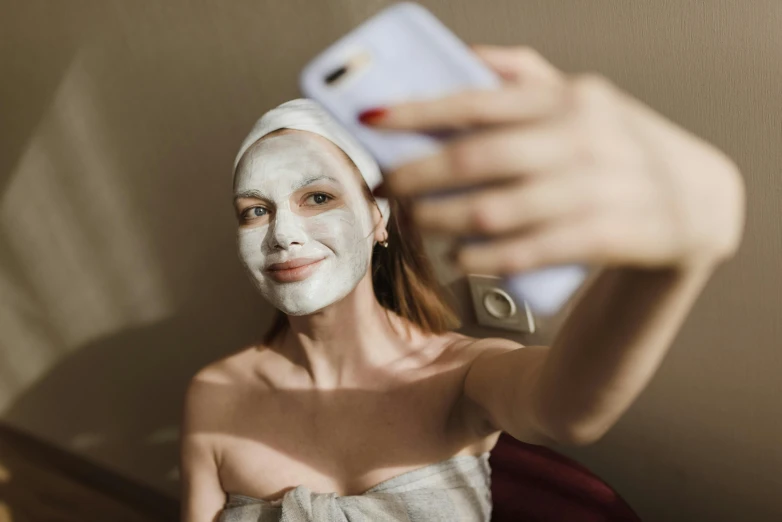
300,308
299,299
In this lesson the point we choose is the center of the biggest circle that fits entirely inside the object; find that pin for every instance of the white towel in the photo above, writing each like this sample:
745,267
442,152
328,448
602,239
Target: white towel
457,489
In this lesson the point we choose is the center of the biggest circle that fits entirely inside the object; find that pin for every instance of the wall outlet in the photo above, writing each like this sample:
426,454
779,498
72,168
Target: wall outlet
495,308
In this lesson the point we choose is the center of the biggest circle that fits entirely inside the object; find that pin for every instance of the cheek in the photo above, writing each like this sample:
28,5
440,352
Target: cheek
249,243
337,229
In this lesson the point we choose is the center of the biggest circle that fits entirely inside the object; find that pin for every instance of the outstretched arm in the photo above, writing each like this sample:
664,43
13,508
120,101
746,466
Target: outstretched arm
604,356
572,170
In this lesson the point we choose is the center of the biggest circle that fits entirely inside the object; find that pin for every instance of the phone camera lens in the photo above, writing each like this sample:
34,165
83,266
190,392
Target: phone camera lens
335,75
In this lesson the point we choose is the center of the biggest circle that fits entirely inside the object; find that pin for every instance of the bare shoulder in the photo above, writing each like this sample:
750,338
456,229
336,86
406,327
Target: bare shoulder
208,414
467,417
214,391
227,370
467,349
499,377
459,352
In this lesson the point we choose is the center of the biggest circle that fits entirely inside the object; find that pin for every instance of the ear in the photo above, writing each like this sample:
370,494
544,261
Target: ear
380,232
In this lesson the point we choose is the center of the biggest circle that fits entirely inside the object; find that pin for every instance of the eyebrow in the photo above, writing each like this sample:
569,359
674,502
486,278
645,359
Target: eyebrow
252,193
312,179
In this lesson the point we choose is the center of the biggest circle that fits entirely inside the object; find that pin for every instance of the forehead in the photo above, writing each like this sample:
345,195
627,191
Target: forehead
292,153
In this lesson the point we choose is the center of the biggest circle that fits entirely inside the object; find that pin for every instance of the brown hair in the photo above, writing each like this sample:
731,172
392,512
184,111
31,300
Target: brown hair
402,276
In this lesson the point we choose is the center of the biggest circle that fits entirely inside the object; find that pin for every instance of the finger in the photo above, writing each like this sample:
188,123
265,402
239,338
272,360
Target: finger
571,240
519,64
502,210
470,108
486,157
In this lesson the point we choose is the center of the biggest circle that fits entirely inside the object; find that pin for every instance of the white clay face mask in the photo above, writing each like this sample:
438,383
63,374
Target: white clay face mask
305,227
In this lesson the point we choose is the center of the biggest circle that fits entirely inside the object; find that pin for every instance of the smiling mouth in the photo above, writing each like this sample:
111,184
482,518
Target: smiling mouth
293,270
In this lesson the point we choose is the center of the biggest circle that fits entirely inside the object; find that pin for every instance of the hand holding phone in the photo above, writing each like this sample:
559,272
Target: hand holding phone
403,54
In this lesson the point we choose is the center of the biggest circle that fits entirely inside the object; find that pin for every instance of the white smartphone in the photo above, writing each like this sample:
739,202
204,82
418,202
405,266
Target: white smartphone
401,54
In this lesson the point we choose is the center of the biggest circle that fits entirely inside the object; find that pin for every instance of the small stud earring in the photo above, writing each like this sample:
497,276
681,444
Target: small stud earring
384,243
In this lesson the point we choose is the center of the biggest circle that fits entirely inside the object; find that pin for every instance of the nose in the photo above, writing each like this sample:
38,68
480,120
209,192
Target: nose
286,231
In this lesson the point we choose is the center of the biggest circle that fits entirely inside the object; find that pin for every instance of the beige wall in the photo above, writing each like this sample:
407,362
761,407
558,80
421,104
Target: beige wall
118,277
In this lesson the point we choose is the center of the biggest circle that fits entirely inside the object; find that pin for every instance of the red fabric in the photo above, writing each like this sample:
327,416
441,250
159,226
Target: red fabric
536,484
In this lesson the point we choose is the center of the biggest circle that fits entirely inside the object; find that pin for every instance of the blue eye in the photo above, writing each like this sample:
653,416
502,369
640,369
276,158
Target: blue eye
254,212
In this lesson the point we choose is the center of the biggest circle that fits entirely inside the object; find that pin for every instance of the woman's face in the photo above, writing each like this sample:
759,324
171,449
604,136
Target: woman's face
305,226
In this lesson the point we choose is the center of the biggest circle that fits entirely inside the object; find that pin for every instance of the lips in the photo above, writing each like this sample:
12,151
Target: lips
293,270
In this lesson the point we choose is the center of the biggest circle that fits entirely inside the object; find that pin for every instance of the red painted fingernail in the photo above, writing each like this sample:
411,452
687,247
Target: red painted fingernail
380,191
371,116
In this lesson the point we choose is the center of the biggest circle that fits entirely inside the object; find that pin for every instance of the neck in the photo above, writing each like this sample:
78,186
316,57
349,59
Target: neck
338,344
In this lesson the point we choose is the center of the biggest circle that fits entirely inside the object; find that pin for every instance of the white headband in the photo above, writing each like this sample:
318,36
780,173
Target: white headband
308,115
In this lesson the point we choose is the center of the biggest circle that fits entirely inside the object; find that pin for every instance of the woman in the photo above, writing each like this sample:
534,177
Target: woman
360,404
